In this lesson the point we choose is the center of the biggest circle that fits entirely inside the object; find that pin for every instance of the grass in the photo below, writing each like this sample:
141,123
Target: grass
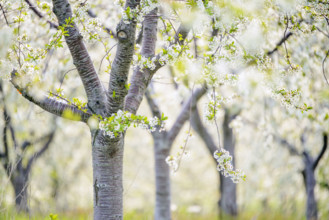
181,214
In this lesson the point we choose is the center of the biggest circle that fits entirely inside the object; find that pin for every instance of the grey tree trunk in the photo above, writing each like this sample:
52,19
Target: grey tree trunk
20,183
163,142
162,178
310,182
107,155
227,202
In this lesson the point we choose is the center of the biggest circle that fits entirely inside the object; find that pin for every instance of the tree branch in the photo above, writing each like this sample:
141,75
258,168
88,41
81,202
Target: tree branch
284,39
41,151
4,14
5,161
40,15
290,147
180,36
202,131
108,30
121,63
51,105
323,150
184,115
152,101
95,92
5,154
142,77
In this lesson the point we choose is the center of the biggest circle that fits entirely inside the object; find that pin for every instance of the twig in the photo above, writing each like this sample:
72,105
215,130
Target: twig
284,43
188,135
323,71
100,65
4,14
40,15
62,80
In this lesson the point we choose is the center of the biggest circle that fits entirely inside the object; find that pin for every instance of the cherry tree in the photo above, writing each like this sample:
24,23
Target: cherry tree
227,40
18,166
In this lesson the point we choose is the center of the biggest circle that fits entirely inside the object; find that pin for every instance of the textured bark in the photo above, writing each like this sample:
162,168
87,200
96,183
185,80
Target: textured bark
107,157
162,145
309,182
162,178
227,187
20,182
49,104
188,107
142,77
97,100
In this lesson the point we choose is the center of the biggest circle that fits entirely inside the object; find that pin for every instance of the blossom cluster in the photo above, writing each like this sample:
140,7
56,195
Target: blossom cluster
211,110
224,160
144,62
170,54
288,98
119,122
139,13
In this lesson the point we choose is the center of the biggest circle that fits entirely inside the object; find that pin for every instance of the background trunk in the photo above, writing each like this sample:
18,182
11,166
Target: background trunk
309,181
20,183
107,176
162,178
227,202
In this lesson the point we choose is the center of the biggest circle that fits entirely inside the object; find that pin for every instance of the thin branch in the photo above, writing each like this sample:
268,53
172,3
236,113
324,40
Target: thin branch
202,131
152,101
25,145
172,74
185,113
290,147
62,80
323,150
284,39
284,42
51,105
41,151
40,15
100,65
4,14
108,30
322,32
323,71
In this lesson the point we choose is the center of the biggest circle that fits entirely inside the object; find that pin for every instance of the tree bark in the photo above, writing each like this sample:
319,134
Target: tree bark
107,155
162,178
20,183
227,202
309,182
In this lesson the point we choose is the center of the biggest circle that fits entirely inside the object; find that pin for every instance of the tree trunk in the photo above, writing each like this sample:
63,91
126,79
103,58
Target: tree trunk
107,157
20,184
227,202
309,181
162,179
